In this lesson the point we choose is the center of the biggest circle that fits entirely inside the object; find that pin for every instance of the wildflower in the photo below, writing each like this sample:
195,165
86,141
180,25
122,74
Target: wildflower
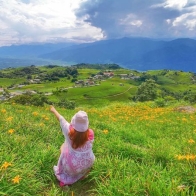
9,118
192,157
191,141
11,131
41,124
105,131
5,165
184,119
3,111
46,118
16,179
35,113
180,157
186,157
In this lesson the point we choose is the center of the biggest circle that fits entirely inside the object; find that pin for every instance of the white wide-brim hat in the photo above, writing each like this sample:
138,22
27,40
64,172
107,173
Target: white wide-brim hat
80,121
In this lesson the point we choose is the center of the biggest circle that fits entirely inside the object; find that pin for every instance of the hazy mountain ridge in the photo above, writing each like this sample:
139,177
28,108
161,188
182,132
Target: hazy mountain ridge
30,50
134,53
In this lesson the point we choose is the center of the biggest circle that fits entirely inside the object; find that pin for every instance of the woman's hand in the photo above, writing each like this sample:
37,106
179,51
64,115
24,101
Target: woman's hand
53,110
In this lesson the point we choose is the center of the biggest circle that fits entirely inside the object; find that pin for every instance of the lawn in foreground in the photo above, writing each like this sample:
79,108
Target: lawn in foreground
140,150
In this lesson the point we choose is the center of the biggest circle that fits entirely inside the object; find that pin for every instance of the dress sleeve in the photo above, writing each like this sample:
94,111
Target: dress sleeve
64,126
91,135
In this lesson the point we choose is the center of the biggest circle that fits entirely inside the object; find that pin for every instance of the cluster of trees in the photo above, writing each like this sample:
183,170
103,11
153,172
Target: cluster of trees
150,91
96,66
28,72
29,99
19,73
41,100
67,72
147,91
145,76
52,75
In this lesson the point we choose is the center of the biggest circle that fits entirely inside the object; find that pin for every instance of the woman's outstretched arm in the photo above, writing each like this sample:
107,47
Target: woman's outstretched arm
55,112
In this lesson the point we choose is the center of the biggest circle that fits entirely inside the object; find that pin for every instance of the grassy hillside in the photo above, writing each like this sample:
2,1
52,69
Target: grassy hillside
107,90
140,150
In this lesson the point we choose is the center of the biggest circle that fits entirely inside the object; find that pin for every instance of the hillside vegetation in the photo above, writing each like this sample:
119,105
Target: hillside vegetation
144,144
139,149
86,84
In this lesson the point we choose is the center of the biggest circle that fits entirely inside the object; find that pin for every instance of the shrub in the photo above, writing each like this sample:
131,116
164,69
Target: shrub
147,91
66,104
190,97
29,99
160,102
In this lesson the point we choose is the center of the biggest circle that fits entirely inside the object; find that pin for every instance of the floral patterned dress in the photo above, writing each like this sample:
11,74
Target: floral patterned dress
73,164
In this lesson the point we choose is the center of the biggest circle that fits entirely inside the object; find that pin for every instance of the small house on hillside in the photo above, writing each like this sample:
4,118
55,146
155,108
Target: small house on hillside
108,74
89,82
128,76
79,83
98,77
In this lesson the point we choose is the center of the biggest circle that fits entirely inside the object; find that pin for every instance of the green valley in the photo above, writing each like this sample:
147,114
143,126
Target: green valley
90,85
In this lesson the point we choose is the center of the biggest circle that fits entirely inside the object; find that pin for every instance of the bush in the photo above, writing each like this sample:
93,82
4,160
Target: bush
66,104
147,91
160,102
73,79
29,99
190,97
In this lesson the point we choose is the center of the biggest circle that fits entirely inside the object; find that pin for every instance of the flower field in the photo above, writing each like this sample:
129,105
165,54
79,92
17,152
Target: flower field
139,149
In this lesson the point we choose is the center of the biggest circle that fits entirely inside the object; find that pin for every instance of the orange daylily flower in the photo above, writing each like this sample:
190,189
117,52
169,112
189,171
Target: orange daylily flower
11,131
16,179
5,165
105,131
3,111
35,113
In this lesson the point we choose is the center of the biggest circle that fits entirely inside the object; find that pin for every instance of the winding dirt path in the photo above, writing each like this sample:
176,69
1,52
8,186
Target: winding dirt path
109,95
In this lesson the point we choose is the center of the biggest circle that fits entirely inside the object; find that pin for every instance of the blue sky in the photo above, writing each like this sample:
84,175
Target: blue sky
40,21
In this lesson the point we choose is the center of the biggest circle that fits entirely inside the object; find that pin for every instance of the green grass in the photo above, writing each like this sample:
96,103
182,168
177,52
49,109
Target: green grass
47,86
4,82
85,73
107,91
137,155
180,87
165,80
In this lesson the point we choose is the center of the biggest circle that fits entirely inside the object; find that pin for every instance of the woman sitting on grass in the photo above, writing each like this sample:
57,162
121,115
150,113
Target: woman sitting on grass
76,156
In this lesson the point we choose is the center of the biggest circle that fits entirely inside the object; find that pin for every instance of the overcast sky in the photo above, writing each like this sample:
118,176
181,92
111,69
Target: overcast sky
30,21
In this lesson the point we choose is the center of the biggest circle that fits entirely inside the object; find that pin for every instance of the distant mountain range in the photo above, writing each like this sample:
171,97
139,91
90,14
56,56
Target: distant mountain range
133,53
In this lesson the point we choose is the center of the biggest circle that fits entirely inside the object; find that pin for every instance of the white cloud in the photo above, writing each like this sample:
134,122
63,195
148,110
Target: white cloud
131,19
176,4
183,24
43,20
187,20
26,21
172,4
168,21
